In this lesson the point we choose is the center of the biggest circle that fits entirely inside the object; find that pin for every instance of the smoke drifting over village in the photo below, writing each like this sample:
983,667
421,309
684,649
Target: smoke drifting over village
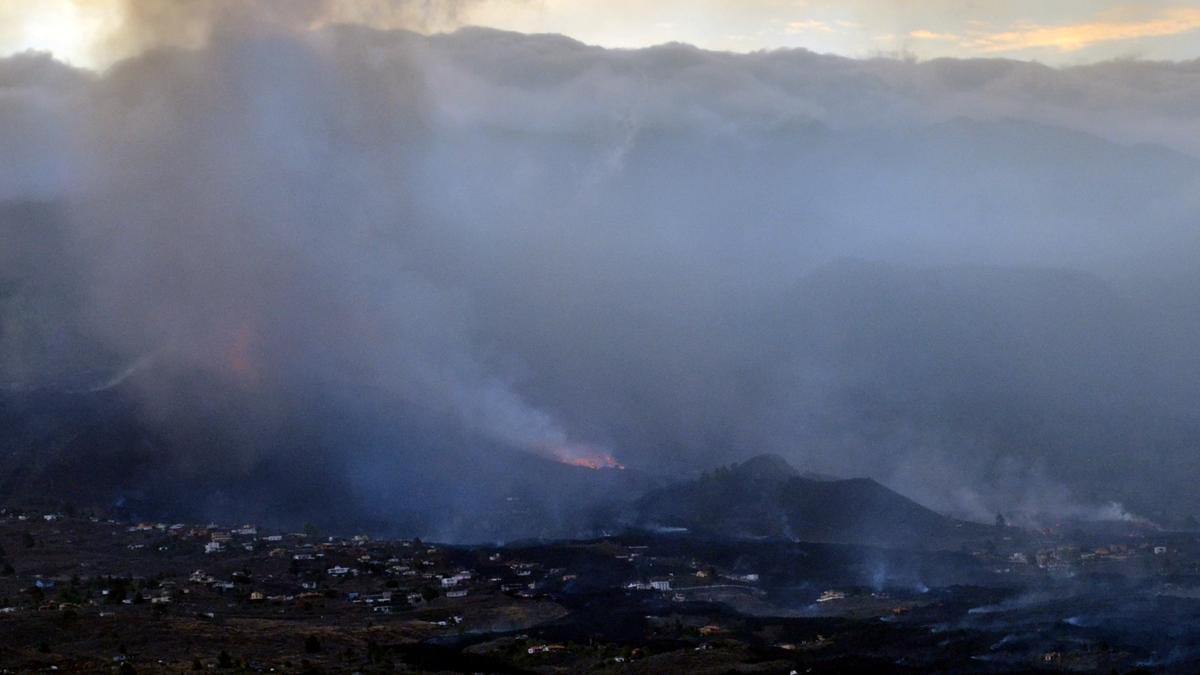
315,254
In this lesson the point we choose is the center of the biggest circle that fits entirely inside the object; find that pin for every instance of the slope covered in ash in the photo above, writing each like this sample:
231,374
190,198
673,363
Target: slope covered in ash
87,449
98,449
765,497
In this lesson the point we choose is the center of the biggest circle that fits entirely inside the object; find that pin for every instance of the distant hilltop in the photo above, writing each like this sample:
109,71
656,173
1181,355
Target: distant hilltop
766,497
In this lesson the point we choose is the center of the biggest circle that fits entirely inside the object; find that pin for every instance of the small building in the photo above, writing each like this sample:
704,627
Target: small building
545,649
830,596
454,579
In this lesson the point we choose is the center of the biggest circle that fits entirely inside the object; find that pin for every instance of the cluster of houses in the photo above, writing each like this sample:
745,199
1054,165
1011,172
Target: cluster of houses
381,577
233,569
1070,559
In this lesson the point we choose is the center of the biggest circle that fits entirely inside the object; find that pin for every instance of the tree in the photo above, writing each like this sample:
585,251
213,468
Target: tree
312,644
117,589
70,595
68,619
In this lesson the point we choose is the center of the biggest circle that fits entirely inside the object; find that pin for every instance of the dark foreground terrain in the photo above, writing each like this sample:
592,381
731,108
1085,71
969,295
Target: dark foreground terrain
85,593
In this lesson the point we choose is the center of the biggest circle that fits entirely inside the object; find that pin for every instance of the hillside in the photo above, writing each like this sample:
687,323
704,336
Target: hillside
765,497
97,449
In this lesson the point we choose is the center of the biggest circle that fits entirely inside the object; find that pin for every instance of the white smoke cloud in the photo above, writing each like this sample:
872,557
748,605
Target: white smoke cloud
533,242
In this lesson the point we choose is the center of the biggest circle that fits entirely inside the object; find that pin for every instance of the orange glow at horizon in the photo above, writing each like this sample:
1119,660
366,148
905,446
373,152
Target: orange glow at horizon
1074,37
97,33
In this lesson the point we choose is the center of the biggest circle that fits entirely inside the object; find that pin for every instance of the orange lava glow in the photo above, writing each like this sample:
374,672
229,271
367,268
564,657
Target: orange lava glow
597,462
239,355
586,457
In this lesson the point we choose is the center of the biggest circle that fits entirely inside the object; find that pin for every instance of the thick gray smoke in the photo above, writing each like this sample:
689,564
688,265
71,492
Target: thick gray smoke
357,258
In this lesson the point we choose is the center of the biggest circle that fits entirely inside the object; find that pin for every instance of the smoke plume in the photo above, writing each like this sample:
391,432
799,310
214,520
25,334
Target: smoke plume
314,252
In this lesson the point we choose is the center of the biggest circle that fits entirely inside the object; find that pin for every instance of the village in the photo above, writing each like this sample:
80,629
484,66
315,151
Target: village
1070,552
82,591
72,573
244,568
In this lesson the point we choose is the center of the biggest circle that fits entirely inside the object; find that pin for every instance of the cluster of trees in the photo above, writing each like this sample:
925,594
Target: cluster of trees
6,568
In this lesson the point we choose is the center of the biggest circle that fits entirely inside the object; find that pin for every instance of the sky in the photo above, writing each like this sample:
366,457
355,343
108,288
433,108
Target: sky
91,33
315,257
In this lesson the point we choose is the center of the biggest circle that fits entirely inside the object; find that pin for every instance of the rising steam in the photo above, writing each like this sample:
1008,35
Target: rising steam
360,254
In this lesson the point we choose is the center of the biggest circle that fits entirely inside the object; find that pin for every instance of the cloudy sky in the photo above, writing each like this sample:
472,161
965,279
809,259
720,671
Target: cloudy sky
92,32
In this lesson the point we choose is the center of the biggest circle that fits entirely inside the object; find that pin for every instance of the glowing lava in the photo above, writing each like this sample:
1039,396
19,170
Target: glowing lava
240,354
585,456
